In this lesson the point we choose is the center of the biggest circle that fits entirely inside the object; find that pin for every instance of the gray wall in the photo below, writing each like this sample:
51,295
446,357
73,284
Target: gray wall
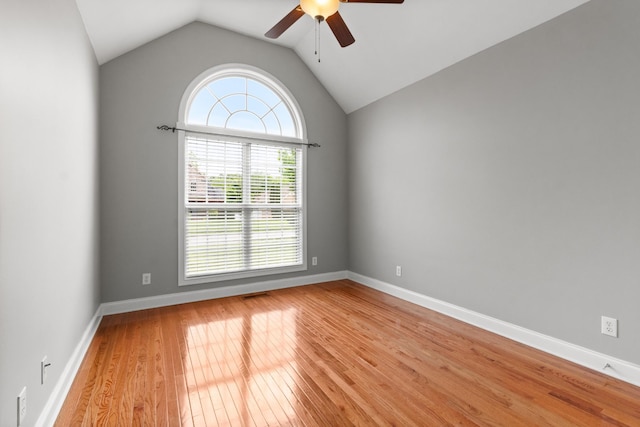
509,183
138,164
48,203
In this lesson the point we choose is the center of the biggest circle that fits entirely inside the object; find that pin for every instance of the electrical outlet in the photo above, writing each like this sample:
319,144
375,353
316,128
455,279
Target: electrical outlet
146,278
314,260
609,326
398,271
22,406
44,367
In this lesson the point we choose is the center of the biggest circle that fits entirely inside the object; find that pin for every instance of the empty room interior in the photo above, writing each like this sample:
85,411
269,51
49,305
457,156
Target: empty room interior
216,212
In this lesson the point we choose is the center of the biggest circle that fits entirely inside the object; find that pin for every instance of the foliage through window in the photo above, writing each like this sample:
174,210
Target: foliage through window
242,209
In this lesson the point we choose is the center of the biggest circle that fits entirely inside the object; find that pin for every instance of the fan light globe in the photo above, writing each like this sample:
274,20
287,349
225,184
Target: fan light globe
324,8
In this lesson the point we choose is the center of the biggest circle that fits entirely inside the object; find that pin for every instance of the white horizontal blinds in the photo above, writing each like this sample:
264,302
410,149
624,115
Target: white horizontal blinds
213,241
243,206
276,208
214,171
213,213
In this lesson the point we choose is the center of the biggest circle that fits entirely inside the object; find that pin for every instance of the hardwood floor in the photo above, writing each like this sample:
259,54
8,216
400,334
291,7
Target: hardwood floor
331,354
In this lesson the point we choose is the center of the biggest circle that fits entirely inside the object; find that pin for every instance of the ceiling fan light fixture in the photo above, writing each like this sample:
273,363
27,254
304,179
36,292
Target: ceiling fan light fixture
323,8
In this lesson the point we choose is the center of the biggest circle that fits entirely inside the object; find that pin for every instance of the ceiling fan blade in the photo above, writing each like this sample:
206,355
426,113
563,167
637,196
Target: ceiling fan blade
340,30
285,23
373,1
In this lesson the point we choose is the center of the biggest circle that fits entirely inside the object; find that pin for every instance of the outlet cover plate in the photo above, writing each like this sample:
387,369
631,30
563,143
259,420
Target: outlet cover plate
609,326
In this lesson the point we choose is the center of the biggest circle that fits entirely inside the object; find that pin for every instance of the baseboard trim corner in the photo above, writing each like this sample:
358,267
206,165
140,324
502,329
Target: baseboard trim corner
608,365
213,293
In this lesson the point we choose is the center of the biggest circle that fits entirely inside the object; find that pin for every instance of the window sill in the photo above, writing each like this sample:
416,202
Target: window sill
223,277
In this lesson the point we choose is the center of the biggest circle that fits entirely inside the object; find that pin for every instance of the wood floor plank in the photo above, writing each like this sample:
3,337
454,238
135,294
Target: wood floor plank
168,348
140,391
120,406
81,384
99,401
331,354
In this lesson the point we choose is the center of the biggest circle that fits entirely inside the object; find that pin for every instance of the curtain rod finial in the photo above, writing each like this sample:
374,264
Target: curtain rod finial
165,127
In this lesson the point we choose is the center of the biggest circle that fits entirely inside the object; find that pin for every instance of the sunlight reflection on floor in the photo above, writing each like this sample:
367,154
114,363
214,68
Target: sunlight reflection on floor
246,369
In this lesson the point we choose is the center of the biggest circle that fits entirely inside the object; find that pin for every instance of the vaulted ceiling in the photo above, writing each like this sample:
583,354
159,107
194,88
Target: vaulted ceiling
396,45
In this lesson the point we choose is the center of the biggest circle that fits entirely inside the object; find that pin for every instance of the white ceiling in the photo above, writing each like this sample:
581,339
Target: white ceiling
396,45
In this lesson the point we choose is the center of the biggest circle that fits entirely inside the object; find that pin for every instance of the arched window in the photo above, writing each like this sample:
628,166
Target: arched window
242,161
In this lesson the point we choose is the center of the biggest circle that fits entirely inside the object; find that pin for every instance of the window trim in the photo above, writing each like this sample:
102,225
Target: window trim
239,136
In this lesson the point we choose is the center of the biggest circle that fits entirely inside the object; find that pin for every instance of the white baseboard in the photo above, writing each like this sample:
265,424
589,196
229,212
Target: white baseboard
61,389
623,370
222,292
617,368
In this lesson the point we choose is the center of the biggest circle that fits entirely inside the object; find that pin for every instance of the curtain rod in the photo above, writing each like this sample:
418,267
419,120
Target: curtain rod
174,129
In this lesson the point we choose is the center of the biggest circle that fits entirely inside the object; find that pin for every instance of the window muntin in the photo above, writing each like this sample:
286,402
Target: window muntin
240,102
242,200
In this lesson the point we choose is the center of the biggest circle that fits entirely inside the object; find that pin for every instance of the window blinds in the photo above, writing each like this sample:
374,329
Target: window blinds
242,207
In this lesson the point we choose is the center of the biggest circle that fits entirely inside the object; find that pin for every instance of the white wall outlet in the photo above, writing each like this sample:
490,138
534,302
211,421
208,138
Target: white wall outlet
609,326
314,260
398,271
22,406
146,278
44,367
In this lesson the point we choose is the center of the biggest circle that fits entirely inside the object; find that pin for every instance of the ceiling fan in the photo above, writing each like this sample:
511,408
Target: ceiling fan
322,10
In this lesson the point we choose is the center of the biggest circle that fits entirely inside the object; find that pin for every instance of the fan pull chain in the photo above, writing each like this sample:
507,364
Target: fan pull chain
317,52
319,44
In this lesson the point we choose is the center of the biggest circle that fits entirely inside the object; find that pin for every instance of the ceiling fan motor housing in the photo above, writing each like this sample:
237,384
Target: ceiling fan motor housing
320,8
